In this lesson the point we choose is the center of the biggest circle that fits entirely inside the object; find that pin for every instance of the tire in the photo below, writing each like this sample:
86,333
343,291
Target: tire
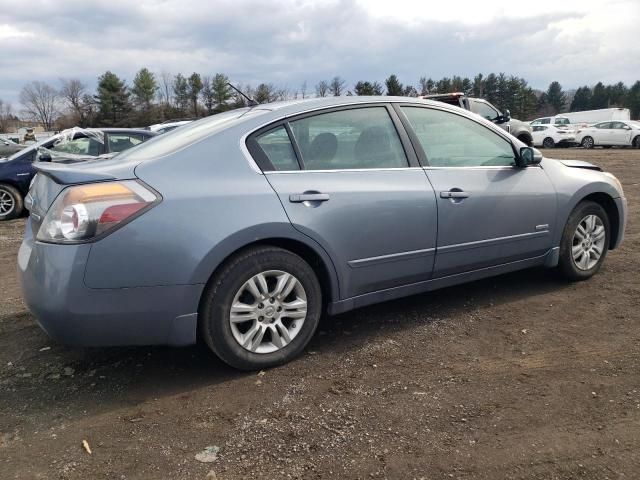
636,142
575,264
548,143
587,142
268,346
11,202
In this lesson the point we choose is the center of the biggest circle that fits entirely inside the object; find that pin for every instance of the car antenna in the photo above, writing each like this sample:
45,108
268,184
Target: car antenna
250,101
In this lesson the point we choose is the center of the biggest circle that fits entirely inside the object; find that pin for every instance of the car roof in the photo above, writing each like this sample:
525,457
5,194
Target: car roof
293,107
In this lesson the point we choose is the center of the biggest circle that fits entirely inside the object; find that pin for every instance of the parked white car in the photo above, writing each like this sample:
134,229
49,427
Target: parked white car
557,120
609,134
549,136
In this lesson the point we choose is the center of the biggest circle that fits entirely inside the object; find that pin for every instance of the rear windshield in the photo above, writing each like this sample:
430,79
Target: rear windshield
188,134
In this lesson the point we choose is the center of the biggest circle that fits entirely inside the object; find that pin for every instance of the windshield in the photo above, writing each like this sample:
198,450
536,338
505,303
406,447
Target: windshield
188,134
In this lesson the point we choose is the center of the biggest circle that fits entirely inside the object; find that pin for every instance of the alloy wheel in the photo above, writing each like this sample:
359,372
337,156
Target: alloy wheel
7,203
587,142
588,242
268,311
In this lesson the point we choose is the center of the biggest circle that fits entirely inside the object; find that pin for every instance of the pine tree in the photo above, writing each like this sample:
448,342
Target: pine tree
181,92
221,91
112,99
556,98
394,87
144,88
581,100
633,100
367,88
599,98
195,87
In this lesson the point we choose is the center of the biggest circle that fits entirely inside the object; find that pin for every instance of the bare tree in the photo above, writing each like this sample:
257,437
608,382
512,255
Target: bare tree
73,92
303,89
166,83
5,115
40,101
337,86
322,88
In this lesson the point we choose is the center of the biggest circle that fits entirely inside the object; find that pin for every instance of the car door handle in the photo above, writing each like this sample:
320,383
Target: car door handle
308,197
454,194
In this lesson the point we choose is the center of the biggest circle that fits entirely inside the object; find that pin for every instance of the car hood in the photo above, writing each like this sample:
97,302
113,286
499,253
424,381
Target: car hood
580,164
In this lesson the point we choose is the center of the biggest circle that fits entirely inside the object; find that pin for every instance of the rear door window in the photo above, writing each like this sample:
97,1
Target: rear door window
358,138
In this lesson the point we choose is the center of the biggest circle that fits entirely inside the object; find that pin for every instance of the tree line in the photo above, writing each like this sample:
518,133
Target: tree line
153,98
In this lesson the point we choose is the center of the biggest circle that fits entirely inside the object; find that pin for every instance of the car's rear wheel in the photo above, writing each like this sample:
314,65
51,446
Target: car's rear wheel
548,143
11,203
636,142
587,142
261,309
585,241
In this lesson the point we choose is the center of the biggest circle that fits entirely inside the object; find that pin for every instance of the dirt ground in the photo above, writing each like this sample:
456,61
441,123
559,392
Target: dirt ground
520,376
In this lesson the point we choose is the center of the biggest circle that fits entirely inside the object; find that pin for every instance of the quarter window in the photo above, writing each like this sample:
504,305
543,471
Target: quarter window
451,140
276,145
349,139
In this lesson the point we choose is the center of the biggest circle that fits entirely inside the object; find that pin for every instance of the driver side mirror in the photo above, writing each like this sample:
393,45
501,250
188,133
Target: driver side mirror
529,156
504,117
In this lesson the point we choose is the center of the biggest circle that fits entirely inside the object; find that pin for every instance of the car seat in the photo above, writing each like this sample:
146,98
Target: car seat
322,150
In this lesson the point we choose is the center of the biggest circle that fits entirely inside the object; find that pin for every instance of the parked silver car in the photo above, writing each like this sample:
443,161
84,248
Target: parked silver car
243,227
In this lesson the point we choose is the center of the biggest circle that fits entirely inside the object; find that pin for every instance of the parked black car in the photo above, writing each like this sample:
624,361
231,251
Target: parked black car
17,171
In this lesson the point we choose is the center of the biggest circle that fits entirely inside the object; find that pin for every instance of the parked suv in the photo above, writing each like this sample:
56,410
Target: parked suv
69,146
242,228
520,130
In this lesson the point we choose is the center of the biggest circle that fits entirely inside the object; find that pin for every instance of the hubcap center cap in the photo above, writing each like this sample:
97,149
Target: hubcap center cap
270,311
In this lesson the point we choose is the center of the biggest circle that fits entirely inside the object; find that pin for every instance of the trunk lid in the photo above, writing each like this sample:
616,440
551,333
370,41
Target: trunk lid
52,178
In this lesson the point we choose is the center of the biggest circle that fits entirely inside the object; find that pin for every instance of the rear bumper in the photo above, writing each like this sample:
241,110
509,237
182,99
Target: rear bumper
52,280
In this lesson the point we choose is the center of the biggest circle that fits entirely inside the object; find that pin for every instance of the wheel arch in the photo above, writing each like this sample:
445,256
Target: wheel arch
525,137
294,242
606,201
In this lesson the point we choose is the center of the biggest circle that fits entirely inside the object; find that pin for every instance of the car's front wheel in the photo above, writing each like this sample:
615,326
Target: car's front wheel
585,241
261,309
11,203
587,142
636,142
548,143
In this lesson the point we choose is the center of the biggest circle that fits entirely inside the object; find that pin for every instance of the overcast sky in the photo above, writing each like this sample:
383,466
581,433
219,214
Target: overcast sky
286,42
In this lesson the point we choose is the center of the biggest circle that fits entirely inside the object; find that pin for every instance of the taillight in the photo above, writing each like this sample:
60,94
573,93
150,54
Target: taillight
83,212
